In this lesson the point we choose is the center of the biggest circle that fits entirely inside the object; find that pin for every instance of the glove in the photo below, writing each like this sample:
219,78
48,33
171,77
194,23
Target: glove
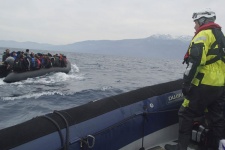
186,88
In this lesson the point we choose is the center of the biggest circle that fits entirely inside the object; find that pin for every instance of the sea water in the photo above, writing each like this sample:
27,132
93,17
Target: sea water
91,78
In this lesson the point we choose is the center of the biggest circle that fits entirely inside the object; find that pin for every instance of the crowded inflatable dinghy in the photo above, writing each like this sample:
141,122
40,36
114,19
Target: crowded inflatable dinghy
17,66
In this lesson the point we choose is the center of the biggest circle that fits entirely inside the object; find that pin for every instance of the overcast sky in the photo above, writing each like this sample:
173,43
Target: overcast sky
68,21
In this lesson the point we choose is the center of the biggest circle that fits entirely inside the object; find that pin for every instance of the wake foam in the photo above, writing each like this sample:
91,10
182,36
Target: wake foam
32,95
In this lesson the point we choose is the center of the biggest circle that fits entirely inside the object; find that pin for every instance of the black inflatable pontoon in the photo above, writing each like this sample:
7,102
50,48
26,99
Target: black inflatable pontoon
141,118
14,76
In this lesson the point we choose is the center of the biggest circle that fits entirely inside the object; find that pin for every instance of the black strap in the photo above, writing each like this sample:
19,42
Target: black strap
200,76
220,40
213,51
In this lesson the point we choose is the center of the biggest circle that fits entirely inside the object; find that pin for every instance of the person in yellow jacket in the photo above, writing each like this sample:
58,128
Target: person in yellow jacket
203,81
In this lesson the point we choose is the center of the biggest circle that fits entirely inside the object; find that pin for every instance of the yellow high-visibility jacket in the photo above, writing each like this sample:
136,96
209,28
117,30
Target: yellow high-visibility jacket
203,49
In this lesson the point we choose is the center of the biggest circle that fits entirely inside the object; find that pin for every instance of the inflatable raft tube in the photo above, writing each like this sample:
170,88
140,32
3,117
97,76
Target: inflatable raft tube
14,76
114,123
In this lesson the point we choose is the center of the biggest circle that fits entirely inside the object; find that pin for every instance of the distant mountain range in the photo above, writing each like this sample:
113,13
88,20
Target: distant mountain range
155,46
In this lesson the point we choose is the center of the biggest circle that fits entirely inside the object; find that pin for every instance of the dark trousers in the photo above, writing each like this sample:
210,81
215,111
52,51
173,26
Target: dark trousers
200,98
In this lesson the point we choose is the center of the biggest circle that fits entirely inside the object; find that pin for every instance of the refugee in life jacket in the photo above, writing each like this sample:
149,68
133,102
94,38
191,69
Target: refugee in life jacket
27,53
47,61
56,61
62,60
5,55
14,54
38,62
203,82
19,63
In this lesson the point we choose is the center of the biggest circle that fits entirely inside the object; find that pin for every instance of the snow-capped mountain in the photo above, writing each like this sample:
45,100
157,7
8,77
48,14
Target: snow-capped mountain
184,38
157,46
170,37
162,36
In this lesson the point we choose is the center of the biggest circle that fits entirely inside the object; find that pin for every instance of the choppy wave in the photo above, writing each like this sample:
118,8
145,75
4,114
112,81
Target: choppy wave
92,77
33,95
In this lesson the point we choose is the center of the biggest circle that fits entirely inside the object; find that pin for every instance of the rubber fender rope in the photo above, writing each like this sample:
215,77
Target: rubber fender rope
67,128
58,128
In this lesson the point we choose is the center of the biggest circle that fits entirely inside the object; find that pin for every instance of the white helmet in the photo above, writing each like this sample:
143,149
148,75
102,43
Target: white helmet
205,14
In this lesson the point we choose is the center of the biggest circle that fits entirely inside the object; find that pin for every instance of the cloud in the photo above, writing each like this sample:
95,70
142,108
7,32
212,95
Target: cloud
68,21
